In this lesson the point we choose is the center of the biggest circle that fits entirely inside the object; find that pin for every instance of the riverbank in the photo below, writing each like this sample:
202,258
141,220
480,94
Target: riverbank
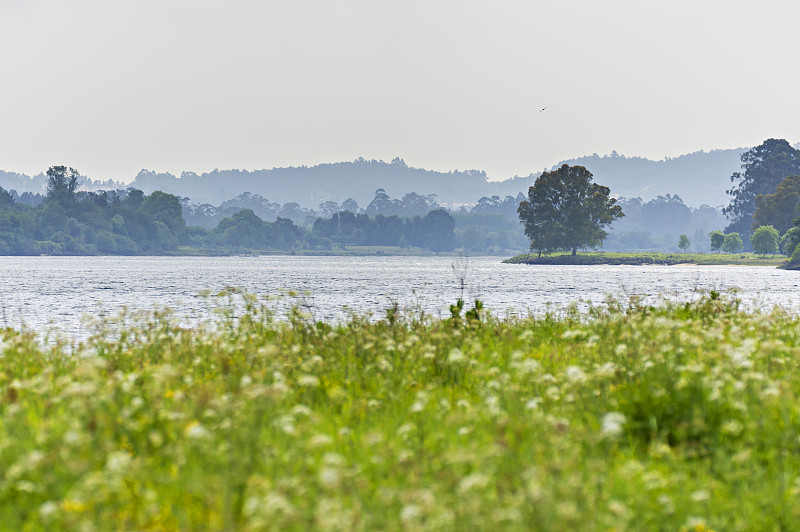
639,259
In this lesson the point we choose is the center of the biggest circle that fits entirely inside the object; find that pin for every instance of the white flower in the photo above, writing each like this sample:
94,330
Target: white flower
319,440
475,481
309,381
612,423
196,431
456,356
575,374
118,461
329,478
48,510
533,404
417,406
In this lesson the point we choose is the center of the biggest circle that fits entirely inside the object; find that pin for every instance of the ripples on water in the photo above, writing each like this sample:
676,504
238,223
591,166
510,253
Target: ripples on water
59,291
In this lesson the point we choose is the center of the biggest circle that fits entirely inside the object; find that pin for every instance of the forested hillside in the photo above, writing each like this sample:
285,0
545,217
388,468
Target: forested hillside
699,178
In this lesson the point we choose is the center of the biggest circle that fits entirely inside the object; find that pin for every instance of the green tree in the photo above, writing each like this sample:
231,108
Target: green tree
764,167
62,182
683,242
166,209
242,230
437,230
733,243
6,199
789,240
566,210
717,239
765,240
780,208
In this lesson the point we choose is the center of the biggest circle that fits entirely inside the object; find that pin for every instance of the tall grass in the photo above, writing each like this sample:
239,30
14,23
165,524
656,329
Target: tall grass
631,417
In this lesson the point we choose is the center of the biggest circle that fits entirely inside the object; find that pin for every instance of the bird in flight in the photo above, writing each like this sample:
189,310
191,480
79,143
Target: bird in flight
542,109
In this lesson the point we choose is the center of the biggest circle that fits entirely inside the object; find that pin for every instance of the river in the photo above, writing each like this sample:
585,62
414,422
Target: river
59,292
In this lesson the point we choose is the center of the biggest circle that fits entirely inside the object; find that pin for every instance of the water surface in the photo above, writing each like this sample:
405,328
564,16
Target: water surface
58,291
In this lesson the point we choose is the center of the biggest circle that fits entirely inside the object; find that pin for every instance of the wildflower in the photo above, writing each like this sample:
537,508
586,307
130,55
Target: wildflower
732,427
301,410
619,508
329,478
666,502
118,461
533,403
195,430
73,506
48,510
309,381
410,514
456,356
612,424
319,440
575,374
696,524
474,481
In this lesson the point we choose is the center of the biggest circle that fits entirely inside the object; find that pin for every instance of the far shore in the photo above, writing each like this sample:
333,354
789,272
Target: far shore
651,258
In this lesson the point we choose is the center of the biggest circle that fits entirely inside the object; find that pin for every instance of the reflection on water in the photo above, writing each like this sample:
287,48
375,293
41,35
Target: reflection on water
42,291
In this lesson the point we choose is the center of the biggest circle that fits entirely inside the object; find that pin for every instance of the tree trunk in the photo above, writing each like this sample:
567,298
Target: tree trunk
574,251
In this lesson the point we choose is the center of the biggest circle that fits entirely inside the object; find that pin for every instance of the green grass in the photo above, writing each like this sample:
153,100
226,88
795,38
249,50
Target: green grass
636,259
679,417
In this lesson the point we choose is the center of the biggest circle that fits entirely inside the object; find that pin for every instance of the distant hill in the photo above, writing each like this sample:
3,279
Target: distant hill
698,178
310,186
22,183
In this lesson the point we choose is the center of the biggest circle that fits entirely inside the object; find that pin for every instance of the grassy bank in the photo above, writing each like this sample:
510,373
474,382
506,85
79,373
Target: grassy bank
683,417
638,259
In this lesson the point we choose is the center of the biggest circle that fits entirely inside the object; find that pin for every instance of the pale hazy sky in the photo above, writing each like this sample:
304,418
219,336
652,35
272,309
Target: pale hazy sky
114,86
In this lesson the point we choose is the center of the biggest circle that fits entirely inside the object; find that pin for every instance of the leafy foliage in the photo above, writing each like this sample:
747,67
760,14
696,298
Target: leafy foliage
76,222
684,242
434,231
780,208
732,243
765,240
789,240
565,210
764,168
717,240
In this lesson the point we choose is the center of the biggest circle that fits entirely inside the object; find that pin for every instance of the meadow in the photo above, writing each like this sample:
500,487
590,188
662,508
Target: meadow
625,417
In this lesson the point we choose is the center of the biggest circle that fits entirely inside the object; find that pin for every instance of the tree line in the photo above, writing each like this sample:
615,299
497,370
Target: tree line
69,221
564,210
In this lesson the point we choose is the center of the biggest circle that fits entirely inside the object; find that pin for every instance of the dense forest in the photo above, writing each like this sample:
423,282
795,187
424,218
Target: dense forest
69,219
128,221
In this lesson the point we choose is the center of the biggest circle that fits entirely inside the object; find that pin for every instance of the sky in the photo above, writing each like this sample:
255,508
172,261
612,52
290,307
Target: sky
112,87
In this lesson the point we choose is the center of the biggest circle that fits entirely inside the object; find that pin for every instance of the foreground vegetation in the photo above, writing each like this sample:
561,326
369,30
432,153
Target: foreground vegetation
637,259
681,417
